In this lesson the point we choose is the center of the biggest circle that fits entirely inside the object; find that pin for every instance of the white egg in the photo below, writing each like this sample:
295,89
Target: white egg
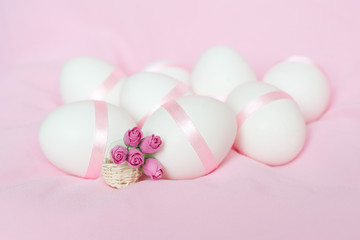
275,131
171,69
82,79
212,119
218,71
305,82
144,92
66,136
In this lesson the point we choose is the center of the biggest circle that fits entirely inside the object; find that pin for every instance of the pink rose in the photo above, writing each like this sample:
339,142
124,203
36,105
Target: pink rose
119,154
150,144
132,137
135,158
153,169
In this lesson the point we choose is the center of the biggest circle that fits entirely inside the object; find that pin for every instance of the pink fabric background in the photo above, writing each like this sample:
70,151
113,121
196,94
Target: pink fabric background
314,197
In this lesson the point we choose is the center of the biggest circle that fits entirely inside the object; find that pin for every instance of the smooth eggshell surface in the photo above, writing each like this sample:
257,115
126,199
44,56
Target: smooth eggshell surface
66,136
305,82
218,71
275,133
214,120
81,76
169,69
143,91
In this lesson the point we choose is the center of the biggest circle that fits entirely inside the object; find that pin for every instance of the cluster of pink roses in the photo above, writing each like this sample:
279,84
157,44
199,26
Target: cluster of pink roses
136,154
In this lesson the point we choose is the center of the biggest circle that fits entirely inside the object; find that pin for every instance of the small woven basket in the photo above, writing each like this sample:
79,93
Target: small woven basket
119,175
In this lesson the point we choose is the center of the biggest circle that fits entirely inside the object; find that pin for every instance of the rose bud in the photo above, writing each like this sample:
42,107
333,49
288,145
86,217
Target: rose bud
135,158
153,169
119,154
150,144
132,137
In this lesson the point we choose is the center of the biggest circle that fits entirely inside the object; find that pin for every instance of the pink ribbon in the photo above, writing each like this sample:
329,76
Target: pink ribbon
179,90
259,102
100,140
109,83
192,134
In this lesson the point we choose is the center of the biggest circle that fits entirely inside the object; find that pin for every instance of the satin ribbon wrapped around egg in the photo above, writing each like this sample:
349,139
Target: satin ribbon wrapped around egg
197,133
144,92
75,136
305,82
87,78
271,128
